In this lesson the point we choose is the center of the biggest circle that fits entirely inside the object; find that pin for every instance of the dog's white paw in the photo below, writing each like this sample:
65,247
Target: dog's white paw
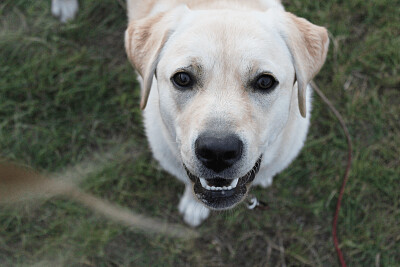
194,213
264,182
64,9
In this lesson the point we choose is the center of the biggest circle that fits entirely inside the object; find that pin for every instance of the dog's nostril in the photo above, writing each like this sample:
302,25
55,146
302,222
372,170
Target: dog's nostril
231,154
206,154
218,152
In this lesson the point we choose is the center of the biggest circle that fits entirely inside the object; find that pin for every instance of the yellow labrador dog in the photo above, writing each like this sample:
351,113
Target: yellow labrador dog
225,92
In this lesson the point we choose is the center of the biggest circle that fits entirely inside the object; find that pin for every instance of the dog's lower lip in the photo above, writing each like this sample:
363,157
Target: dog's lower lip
223,197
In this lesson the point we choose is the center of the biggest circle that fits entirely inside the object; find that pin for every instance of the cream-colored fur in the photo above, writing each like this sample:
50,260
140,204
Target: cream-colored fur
227,42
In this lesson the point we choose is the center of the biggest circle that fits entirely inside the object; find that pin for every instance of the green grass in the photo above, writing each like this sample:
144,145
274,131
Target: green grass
67,91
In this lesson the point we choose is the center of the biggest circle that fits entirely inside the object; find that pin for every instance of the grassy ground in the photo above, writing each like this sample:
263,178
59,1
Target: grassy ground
67,91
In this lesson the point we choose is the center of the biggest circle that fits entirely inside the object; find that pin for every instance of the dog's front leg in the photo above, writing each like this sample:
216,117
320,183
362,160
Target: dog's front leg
194,213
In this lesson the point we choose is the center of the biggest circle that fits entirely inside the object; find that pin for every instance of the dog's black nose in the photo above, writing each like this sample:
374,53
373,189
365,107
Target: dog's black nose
218,152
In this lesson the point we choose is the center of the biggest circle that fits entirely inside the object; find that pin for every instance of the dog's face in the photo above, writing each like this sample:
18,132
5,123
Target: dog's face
226,86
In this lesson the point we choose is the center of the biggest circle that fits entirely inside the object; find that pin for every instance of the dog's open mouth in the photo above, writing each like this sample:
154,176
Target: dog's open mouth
220,193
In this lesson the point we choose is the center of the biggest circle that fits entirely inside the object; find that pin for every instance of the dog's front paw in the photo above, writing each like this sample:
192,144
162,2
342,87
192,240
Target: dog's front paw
194,213
64,9
264,182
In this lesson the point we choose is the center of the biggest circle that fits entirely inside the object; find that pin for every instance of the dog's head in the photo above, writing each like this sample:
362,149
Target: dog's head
226,82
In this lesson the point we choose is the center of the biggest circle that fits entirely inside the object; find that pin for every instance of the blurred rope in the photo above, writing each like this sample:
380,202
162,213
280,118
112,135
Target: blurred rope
346,173
18,183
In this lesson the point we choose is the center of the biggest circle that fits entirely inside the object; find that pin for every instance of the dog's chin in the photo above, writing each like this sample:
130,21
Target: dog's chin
219,193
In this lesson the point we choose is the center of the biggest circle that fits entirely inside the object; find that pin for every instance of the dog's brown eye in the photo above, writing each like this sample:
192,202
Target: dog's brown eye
265,82
182,80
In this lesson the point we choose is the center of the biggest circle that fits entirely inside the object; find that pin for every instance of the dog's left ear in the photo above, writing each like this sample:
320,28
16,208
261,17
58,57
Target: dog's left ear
308,45
144,40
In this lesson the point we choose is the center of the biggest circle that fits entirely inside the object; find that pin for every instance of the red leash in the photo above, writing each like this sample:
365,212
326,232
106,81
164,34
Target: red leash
346,174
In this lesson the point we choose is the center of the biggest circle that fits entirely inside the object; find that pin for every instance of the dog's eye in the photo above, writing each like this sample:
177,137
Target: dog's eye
182,80
265,82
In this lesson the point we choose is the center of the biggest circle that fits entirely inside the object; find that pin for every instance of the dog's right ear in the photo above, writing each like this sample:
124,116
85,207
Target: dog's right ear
144,40
308,45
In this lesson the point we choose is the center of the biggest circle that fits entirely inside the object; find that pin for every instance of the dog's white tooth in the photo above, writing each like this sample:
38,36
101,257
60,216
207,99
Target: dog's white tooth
224,188
208,187
212,187
234,183
229,187
203,183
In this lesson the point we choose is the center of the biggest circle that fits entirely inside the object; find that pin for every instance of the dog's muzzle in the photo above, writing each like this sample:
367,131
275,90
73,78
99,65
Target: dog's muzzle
219,193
